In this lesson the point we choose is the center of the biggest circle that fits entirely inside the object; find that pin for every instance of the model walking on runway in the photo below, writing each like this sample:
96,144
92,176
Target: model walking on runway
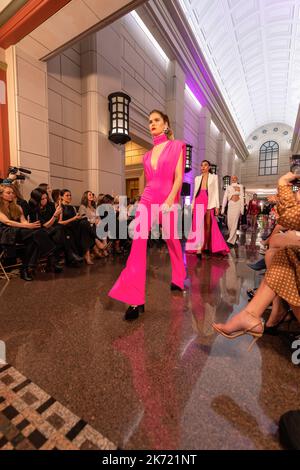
206,195
164,167
234,196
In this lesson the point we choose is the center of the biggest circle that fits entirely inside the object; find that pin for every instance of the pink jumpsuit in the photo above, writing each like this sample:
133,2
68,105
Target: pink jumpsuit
130,286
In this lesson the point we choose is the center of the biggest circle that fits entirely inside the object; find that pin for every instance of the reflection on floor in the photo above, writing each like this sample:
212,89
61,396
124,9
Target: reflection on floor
165,381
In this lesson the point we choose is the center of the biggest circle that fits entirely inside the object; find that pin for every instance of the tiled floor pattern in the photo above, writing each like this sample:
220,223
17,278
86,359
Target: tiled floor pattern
31,419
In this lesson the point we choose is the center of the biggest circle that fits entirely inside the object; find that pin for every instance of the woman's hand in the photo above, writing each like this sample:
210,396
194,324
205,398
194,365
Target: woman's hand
286,179
217,211
167,205
33,225
57,212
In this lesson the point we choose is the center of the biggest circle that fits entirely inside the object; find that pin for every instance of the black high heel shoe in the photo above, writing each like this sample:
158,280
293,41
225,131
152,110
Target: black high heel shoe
24,274
273,330
175,287
132,313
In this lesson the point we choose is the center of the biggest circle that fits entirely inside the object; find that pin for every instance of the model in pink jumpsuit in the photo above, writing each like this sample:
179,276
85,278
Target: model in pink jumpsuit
130,286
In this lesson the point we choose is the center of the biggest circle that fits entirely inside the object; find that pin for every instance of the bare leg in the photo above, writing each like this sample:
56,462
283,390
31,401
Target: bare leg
279,310
87,257
263,297
207,229
296,312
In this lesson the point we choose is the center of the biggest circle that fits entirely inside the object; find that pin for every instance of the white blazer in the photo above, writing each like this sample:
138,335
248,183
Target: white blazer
213,190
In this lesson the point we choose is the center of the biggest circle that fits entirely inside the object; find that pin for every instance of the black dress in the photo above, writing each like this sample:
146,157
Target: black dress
37,243
56,231
79,231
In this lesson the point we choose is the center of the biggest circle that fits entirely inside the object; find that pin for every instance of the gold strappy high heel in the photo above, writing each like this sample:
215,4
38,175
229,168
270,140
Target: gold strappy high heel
249,331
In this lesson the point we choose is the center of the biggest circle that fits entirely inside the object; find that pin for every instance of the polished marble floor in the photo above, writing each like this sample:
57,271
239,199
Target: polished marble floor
165,381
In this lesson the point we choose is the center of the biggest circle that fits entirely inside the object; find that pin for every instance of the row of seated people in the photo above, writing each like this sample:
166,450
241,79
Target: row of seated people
48,225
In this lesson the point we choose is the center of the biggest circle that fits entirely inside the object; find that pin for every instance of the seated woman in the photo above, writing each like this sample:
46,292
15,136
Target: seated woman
44,211
77,227
14,228
20,200
87,210
282,276
55,196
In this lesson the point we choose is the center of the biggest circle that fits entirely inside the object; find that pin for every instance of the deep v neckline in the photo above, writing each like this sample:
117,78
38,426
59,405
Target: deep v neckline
205,189
159,156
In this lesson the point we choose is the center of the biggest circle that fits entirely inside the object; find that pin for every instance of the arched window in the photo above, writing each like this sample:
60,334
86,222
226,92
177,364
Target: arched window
268,158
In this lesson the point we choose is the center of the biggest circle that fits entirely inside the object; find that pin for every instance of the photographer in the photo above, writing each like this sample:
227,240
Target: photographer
14,228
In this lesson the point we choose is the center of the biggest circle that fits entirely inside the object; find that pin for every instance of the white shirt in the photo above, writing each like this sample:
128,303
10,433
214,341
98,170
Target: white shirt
234,189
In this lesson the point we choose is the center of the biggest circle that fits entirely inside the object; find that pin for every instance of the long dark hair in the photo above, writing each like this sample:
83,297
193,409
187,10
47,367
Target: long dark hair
209,171
85,201
36,197
166,120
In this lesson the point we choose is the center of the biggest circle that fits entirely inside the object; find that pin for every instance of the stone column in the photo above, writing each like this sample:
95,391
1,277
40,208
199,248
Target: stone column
175,98
28,115
204,135
103,161
222,167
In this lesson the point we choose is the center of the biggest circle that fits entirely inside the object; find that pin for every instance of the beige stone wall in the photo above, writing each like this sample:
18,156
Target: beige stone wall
65,121
28,115
250,169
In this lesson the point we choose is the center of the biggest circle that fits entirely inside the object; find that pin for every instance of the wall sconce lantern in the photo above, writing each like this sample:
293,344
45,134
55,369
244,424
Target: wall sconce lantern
186,189
226,181
118,105
213,168
188,158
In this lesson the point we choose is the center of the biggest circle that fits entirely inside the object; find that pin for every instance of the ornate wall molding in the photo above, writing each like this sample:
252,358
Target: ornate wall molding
27,18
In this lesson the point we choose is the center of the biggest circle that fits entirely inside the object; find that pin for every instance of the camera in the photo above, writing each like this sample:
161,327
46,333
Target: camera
12,174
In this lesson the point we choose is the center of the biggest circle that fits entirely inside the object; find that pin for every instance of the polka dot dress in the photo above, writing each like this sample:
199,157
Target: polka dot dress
283,276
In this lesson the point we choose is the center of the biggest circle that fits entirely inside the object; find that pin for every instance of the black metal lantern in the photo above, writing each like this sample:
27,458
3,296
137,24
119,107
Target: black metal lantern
119,117
188,158
213,168
186,189
226,181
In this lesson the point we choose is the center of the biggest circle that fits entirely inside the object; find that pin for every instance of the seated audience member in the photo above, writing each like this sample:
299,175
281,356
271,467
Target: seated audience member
77,228
46,187
87,210
14,228
99,199
20,200
55,194
44,211
282,280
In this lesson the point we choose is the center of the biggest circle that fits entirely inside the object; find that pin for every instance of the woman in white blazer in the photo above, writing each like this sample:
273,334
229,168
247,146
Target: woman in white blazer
205,233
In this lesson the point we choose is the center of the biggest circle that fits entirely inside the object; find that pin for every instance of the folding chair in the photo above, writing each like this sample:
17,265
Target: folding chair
4,268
